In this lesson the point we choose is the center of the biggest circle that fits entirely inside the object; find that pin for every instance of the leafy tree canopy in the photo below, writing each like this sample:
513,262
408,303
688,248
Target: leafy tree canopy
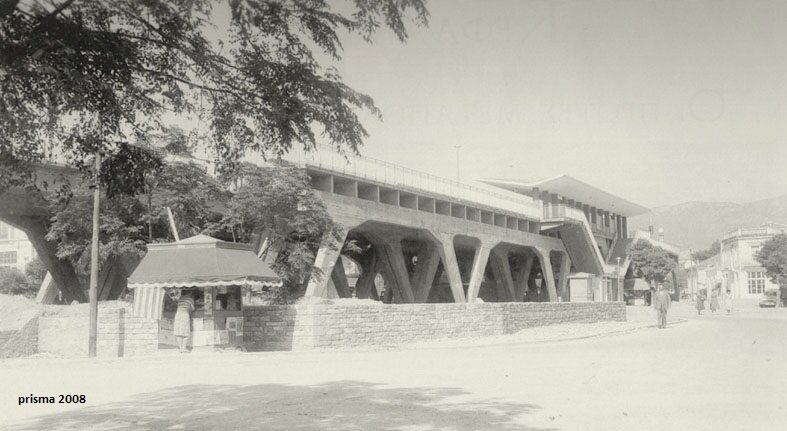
650,262
277,200
701,255
773,257
84,76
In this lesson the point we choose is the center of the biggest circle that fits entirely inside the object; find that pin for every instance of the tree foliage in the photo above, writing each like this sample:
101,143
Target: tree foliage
277,200
84,76
773,257
650,262
35,271
701,255
14,282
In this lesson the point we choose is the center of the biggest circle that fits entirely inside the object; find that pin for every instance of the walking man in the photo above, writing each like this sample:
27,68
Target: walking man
661,303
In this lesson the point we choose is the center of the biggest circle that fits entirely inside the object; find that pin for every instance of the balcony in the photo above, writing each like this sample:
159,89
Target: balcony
606,231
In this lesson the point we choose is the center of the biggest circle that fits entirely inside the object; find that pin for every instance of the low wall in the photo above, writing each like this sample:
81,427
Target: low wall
64,331
20,342
352,322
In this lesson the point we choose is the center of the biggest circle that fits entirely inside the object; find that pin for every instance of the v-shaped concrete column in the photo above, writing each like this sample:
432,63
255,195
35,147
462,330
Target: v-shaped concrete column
393,260
546,270
448,255
327,255
477,275
565,270
523,277
339,278
365,283
503,278
425,270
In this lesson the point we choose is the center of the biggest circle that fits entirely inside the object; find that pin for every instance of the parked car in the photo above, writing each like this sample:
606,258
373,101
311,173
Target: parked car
769,298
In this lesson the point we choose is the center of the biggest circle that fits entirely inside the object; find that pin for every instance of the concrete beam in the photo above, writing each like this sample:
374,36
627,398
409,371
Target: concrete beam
546,270
326,258
393,260
522,279
504,280
447,253
565,270
339,278
425,270
477,275
365,283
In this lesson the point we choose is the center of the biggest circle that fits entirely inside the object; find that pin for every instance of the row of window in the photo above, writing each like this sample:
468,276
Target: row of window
8,258
756,281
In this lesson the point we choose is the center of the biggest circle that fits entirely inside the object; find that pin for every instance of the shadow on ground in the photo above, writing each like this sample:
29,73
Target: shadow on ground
345,405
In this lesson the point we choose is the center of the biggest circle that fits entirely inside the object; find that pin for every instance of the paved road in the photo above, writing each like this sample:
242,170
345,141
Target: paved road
713,372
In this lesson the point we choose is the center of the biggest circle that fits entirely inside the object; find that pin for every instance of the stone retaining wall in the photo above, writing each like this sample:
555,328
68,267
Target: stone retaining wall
65,332
20,342
352,322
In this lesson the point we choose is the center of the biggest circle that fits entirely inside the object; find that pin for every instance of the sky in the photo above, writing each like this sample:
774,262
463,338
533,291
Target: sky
659,102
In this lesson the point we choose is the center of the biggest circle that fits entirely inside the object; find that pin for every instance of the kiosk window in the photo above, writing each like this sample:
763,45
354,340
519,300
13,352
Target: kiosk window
228,298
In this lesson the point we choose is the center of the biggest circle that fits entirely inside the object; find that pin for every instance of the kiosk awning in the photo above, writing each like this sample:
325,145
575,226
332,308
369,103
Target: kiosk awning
202,261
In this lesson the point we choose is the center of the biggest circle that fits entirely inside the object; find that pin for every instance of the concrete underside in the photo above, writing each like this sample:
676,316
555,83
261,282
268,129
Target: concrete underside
428,257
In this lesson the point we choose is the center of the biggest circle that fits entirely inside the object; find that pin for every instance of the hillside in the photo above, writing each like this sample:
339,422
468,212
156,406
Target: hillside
696,225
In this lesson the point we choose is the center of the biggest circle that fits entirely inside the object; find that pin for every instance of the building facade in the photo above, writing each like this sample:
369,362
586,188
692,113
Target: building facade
15,250
607,216
743,275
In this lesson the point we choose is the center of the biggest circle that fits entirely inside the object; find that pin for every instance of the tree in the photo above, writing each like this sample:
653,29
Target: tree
35,271
14,282
650,262
278,200
701,255
79,77
773,257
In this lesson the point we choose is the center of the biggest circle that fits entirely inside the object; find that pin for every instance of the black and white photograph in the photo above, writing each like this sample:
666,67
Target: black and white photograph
395,215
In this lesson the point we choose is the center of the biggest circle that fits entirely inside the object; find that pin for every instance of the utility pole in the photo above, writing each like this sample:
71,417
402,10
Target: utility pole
93,293
458,177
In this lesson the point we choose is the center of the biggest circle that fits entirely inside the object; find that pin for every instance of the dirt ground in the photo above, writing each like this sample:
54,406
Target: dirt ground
712,372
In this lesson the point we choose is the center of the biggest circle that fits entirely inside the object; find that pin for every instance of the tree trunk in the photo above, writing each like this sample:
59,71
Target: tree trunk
61,270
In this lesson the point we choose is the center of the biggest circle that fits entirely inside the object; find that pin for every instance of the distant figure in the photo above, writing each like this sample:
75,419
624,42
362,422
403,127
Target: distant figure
700,303
661,302
727,300
182,324
714,301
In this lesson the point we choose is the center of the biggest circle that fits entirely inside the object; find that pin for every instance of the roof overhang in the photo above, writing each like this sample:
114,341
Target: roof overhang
572,188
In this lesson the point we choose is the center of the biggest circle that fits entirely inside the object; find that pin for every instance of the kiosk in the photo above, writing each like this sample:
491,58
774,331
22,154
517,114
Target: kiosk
221,276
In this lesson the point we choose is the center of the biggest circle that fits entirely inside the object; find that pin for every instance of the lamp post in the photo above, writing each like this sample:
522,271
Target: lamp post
457,147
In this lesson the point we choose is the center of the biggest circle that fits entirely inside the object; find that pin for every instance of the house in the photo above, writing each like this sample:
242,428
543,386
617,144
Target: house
743,275
15,249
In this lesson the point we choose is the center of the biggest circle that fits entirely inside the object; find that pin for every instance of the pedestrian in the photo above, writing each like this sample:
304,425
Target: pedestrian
700,303
714,300
182,323
727,300
661,302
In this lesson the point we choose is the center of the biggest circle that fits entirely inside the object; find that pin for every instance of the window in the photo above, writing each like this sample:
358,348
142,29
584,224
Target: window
756,281
7,258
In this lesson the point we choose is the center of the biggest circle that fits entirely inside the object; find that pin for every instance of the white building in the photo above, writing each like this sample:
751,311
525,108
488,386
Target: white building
743,275
15,250
703,275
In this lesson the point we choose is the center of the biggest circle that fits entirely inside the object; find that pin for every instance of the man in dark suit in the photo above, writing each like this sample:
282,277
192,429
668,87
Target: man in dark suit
661,302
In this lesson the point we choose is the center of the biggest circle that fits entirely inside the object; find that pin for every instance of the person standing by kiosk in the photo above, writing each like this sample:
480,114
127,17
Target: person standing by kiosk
182,324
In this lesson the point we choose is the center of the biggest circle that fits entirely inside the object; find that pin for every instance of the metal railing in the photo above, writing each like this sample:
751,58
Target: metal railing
396,176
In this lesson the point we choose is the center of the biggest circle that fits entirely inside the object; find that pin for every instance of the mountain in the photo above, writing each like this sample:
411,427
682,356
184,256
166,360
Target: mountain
695,225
